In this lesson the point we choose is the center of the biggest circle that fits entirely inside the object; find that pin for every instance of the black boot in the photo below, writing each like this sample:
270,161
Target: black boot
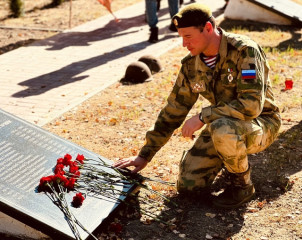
239,192
154,35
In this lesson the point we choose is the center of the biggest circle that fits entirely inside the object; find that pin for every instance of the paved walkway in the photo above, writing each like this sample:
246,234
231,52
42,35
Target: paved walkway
43,80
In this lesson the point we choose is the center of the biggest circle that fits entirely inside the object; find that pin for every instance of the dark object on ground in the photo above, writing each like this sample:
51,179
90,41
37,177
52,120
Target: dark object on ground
17,8
154,35
152,62
137,72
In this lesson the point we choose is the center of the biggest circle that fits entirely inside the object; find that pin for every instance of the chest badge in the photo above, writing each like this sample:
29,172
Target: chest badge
198,86
230,77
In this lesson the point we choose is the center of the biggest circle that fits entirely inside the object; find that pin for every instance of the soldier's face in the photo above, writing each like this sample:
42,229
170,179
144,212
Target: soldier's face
195,40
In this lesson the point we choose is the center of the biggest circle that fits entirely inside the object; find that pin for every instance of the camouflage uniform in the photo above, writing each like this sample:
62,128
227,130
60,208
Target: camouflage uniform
242,118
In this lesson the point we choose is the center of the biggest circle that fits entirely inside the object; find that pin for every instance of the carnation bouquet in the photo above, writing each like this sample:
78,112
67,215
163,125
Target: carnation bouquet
96,178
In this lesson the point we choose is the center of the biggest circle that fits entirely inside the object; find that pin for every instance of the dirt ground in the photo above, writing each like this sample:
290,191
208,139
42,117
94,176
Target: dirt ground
113,124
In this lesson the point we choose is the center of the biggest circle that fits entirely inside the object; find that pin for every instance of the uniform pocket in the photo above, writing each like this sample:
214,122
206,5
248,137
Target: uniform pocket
254,140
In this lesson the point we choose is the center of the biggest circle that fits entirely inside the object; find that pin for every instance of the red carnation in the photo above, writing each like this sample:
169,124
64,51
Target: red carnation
60,179
73,167
70,184
43,181
60,161
77,174
80,158
59,169
78,200
67,159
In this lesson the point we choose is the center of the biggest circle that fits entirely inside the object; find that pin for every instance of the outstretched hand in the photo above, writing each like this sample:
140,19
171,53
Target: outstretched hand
138,162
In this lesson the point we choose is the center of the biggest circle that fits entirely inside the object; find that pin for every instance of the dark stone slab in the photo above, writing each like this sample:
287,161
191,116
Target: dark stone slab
28,153
285,8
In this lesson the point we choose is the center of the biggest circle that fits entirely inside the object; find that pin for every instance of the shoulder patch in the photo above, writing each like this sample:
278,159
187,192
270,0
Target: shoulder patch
240,41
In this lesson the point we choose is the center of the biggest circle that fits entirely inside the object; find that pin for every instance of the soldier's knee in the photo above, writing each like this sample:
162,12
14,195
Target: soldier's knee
223,125
223,128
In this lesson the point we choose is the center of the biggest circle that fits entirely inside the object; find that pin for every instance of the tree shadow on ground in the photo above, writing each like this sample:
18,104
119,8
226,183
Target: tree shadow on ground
110,30
294,42
195,218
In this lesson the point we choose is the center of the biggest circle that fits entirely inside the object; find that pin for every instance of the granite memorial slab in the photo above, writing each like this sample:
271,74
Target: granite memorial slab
27,153
288,9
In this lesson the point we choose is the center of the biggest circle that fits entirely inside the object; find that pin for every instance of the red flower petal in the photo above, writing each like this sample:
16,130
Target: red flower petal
43,181
77,174
73,167
60,161
80,158
47,179
59,169
60,179
70,184
67,159
77,200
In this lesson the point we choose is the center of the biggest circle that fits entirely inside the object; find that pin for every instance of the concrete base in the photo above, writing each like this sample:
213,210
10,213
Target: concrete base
245,10
14,228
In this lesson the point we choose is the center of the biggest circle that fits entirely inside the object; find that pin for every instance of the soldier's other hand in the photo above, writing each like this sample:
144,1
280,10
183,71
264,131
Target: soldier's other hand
138,162
191,125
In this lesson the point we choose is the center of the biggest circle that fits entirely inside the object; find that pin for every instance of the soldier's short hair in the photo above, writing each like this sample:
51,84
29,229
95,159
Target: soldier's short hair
193,15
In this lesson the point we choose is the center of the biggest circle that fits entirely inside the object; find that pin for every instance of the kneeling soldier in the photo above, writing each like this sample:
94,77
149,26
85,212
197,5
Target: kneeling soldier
231,72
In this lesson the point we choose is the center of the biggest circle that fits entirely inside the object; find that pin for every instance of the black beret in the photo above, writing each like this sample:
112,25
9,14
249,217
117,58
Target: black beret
194,14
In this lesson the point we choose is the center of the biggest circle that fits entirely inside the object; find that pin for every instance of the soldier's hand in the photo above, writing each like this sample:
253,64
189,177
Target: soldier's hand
191,125
138,162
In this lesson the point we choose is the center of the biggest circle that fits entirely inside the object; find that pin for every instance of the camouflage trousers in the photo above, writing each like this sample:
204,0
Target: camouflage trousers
224,142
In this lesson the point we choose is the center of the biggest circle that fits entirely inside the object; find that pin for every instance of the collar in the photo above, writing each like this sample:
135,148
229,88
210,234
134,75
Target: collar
223,48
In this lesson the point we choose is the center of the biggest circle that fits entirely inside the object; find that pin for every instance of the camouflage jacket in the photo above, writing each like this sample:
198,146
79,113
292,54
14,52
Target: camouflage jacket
238,87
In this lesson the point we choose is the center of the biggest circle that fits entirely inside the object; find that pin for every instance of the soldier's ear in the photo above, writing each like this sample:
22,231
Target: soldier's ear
208,27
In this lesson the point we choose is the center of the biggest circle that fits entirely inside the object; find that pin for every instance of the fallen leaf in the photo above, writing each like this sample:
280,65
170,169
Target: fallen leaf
208,236
134,151
112,121
147,222
252,210
211,215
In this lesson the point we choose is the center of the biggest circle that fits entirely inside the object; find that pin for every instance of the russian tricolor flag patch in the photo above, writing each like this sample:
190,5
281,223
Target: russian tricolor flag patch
248,74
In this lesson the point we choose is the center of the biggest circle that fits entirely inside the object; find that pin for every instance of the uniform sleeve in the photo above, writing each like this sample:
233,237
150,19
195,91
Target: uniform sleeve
250,90
179,103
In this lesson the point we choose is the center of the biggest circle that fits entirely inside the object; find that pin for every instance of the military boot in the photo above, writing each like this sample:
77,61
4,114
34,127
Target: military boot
154,35
239,192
